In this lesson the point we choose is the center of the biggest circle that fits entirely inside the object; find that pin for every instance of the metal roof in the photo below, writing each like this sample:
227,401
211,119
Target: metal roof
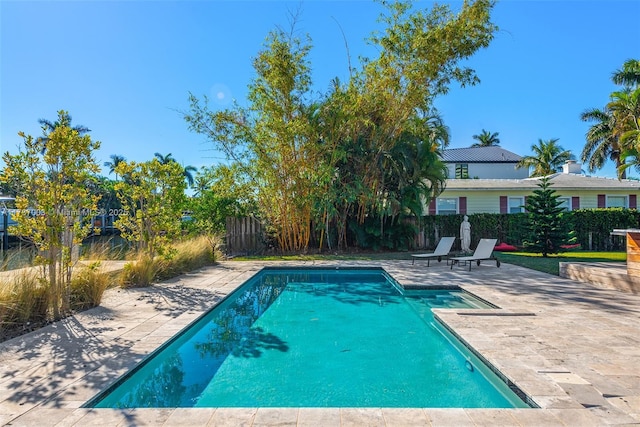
491,154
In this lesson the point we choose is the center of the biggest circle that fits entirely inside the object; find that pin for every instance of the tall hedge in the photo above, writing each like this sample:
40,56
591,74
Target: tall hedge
592,227
505,227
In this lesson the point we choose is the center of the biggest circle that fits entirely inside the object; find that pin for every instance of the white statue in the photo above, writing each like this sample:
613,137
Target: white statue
465,234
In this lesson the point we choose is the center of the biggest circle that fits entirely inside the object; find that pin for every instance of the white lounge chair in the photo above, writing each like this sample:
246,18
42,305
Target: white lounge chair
442,250
483,251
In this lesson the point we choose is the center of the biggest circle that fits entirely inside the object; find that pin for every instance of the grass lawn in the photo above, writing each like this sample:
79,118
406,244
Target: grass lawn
550,264
362,256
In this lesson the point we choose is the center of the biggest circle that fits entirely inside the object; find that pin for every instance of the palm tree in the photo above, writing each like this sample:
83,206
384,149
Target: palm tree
629,75
437,131
188,174
64,119
625,108
187,171
602,143
486,139
164,159
116,159
413,172
202,184
615,134
547,159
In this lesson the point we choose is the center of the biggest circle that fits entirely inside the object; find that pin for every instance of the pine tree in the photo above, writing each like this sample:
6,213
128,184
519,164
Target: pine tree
548,226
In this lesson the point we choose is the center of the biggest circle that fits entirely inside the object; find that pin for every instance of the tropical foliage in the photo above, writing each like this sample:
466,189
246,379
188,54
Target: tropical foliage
187,171
547,159
364,153
486,139
63,120
602,144
221,192
116,159
55,173
152,198
615,132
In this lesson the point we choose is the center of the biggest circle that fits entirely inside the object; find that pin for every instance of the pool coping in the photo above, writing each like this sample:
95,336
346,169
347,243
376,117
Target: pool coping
43,381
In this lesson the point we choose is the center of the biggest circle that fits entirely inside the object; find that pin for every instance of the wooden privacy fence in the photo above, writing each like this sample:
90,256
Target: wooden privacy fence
244,236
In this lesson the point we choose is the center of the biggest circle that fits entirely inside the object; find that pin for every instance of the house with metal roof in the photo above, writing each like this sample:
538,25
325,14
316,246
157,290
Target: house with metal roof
483,162
493,188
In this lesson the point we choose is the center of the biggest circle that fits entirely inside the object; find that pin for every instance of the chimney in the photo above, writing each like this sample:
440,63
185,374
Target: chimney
571,166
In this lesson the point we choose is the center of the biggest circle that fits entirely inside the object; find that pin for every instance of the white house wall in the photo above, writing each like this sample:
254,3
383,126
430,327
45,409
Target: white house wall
497,171
483,202
491,171
591,201
488,201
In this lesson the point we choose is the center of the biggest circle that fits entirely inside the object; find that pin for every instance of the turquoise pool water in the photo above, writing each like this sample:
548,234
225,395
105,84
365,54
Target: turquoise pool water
317,338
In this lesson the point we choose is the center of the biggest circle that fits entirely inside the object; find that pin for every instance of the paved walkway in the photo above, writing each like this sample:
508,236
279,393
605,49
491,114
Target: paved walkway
572,348
105,266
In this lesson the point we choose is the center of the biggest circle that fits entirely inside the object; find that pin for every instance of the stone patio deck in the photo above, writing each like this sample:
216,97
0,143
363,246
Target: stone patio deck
573,348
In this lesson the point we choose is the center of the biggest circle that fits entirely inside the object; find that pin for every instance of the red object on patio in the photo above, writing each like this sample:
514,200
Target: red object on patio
505,247
575,246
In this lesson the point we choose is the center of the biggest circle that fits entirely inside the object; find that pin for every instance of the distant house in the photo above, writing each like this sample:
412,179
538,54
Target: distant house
483,162
496,190
6,205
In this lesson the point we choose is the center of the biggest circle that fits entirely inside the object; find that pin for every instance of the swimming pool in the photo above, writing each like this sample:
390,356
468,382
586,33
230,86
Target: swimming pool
317,338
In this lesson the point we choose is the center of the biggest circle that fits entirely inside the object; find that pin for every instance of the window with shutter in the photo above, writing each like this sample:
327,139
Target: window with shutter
516,204
447,206
575,203
432,207
462,203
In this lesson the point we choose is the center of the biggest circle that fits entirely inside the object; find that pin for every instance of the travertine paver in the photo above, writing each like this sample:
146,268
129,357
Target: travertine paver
313,417
574,349
404,417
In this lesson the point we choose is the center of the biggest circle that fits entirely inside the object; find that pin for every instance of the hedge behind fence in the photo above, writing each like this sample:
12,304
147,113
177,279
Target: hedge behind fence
592,227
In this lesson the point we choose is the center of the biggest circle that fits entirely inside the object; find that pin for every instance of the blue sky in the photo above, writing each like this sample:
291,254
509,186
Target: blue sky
124,68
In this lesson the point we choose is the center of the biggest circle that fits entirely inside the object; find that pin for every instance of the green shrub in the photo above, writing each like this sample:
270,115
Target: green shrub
593,227
505,227
395,234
